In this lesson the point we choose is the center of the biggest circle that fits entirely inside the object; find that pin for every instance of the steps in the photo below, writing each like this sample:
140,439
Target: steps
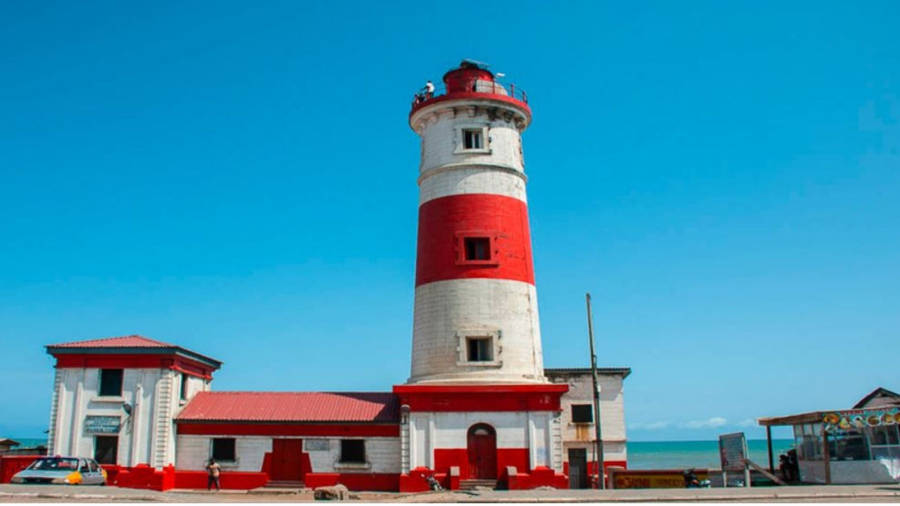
292,484
473,484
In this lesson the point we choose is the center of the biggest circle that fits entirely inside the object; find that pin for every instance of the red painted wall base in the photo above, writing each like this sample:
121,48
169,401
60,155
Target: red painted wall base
509,479
12,464
145,477
387,482
415,481
231,480
538,477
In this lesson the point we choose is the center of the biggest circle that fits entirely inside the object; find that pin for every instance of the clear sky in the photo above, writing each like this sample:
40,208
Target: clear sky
239,178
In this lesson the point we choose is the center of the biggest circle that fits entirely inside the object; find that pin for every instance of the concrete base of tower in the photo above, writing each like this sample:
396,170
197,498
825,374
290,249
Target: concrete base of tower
507,435
500,313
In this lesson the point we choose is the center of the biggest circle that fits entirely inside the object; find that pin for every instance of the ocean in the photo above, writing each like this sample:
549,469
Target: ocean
657,454
29,442
699,454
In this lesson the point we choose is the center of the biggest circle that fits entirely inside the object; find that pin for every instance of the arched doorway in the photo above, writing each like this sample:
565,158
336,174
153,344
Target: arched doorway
482,452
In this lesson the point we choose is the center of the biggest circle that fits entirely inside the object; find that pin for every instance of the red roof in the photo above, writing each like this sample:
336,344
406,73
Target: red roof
133,341
372,407
133,344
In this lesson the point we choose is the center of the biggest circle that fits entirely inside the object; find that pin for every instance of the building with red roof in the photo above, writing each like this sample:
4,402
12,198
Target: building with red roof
479,408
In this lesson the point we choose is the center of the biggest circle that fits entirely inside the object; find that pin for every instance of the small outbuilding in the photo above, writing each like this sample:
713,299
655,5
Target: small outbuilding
6,444
850,446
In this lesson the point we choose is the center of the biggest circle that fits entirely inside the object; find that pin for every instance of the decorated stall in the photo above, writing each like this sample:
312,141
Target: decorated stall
858,445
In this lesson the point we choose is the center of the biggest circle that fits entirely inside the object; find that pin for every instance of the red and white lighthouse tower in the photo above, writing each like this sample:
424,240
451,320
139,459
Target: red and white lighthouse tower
477,398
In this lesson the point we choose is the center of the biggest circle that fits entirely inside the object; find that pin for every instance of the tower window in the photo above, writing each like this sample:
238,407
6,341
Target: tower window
582,413
477,248
111,382
473,138
480,349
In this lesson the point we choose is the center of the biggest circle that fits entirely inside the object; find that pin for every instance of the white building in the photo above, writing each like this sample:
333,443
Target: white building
578,431
116,399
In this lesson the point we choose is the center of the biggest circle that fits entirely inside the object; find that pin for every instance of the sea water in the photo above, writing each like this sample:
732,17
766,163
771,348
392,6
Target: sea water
697,454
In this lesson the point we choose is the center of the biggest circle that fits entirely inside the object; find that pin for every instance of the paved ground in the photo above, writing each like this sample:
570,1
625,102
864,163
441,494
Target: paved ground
834,493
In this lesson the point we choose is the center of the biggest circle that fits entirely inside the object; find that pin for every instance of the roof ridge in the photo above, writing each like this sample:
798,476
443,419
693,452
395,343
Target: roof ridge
114,338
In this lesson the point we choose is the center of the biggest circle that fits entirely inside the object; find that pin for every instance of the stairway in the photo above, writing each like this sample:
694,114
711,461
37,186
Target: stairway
290,484
473,484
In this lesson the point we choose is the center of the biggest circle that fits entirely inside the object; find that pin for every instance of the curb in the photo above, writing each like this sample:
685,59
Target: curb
74,497
817,496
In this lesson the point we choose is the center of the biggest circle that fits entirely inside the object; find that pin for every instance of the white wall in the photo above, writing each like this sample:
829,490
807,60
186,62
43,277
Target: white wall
847,472
382,456
382,453
612,414
441,140
146,436
195,451
449,430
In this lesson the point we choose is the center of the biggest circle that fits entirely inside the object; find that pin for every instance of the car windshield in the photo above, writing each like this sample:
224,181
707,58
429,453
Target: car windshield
54,464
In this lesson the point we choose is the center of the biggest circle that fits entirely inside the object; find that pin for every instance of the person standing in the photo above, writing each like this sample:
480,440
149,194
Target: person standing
213,469
429,90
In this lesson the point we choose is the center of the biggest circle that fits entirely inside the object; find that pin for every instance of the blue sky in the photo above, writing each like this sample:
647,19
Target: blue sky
240,179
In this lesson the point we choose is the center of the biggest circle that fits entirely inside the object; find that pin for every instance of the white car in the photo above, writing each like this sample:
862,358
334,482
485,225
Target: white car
62,470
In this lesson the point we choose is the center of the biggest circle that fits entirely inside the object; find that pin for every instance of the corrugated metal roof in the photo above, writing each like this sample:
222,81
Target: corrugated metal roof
133,344
132,341
378,407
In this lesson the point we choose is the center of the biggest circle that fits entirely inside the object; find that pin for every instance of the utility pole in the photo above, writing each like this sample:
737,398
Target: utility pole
598,433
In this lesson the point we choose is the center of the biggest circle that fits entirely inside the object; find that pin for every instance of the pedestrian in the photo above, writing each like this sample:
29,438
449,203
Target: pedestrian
212,472
429,90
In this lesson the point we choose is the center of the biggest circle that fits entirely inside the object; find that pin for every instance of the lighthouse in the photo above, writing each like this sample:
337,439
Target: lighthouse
476,315
477,402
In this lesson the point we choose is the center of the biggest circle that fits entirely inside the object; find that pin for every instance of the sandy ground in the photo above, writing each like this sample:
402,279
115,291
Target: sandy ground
833,493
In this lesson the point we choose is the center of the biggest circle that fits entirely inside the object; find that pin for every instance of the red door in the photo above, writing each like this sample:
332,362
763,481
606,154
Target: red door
286,459
482,450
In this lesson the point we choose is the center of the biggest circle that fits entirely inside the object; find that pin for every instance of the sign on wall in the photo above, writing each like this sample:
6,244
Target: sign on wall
102,424
858,419
316,445
653,479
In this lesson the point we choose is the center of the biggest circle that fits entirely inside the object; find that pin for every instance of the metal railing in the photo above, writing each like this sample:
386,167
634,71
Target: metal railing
487,87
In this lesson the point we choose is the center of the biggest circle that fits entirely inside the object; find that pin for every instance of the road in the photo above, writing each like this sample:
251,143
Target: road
833,493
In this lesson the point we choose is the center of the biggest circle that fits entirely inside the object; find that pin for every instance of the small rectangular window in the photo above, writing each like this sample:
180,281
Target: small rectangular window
480,349
223,449
111,382
472,138
106,449
477,248
353,451
582,413
184,386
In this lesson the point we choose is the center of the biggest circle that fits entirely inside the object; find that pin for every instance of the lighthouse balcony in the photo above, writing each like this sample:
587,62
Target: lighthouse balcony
470,81
480,89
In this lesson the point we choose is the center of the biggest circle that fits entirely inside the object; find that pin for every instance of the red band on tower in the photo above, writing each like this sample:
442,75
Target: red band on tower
447,222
